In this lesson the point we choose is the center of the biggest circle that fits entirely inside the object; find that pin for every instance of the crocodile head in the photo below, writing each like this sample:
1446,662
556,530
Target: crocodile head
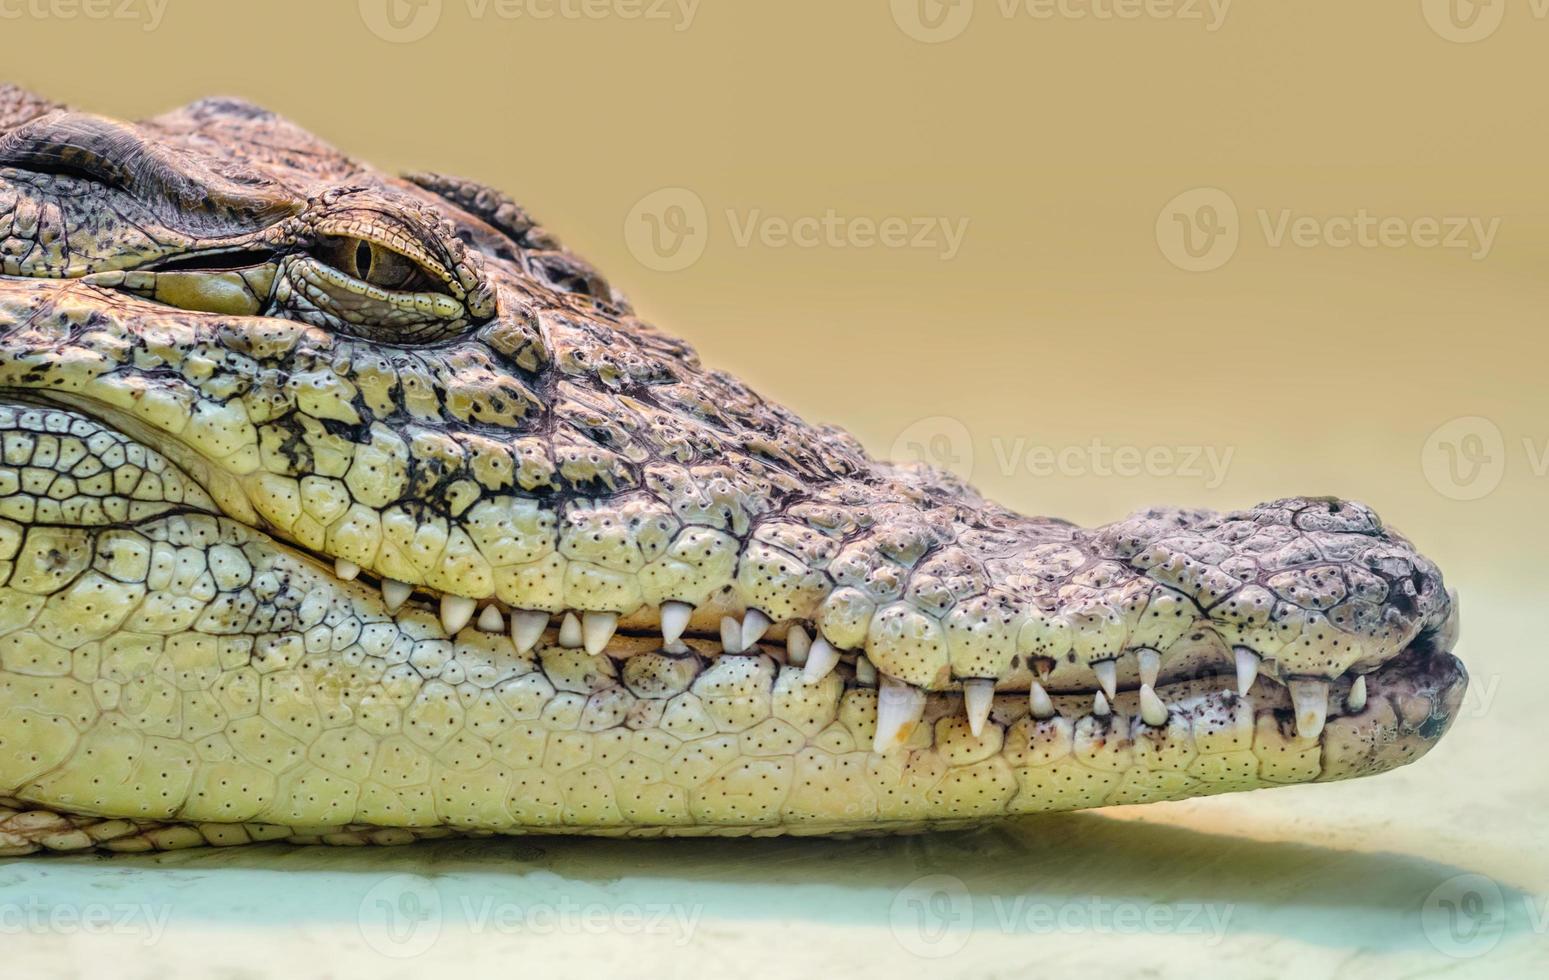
341,506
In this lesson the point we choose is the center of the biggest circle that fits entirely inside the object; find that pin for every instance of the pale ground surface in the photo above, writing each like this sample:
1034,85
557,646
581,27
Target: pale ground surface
1355,879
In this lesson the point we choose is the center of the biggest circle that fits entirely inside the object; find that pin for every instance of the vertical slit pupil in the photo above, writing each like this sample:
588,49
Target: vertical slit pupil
363,260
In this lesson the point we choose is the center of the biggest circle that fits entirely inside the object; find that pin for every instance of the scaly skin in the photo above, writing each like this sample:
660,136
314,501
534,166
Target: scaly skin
253,394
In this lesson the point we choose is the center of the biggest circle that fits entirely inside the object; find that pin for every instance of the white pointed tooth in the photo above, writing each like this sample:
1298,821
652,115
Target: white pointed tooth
1038,699
978,697
865,672
1357,697
1310,699
395,593
1152,710
1107,672
570,632
731,635
675,617
345,569
1150,666
676,647
456,610
1100,705
527,626
899,708
754,625
490,620
1247,668
797,643
597,629
821,658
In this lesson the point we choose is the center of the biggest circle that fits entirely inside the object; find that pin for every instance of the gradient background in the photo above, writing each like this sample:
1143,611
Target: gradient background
1074,150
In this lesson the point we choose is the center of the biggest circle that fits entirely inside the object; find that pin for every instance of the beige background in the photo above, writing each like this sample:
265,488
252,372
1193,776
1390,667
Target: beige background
1071,149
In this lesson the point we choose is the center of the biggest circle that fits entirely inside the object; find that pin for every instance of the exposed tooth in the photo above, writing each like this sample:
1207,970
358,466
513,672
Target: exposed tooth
675,617
1356,700
1107,672
797,643
676,647
1310,698
490,620
1152,710
978,696
1150,666
345,569
1100,705
570,632
456,610
754,625
1038,698
899,708
1247,668
395,593
731,635
527,626
865,672
821,659
597,628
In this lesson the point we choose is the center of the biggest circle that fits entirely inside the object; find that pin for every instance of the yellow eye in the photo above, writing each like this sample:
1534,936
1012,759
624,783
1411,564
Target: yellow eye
372,263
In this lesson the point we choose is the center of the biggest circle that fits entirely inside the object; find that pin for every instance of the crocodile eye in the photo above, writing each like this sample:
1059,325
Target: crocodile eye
374,264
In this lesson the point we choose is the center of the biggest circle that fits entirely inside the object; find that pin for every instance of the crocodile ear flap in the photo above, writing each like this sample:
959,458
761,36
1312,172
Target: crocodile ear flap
179,188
